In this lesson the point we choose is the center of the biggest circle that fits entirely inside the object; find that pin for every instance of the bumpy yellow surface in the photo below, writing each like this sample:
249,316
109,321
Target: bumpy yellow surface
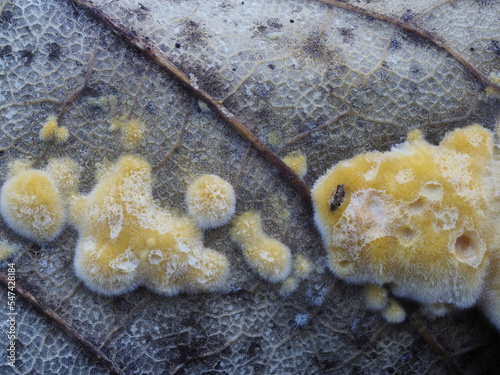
270,258
132,131
51,129
32,201
126,240
210,201
297,163
419,217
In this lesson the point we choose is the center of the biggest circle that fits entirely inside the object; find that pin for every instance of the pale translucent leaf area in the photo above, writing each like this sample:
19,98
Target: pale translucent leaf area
330,84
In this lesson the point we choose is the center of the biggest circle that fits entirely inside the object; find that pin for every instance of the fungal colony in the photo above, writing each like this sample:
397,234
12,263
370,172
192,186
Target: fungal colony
420,219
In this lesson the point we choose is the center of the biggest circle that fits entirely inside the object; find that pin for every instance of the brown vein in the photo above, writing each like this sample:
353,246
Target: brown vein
415,30
131,38
38,305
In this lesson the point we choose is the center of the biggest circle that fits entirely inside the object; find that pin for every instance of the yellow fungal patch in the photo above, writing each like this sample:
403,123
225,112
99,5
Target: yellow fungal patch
125,239
270,258
289,286
51,129
132,131
61,134
7,249
419,217
33,201
297,163
211,201
302,267
376,297
394,313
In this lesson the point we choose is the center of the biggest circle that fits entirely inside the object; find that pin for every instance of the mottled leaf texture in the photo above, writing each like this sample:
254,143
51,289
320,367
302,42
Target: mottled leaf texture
329,79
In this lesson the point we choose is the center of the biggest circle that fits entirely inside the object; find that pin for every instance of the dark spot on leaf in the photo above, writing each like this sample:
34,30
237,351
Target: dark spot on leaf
347,35
5,51
253,348
292,21
26,57
5,17
471,49
233,69
274,23
150,107
54,51
177,45
259,368
394,45
408,16
314,46
262,28
193,34
271,66
494,47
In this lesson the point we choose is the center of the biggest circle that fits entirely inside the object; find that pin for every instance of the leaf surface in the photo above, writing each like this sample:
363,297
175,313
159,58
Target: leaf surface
330,84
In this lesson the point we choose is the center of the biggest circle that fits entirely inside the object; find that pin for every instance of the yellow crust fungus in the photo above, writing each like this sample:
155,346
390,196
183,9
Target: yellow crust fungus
33,201
210,201
394,312
126,240
132,131
51,129
297,163
7,249
61,134
419,217
270,258
302,267
376,297
48,129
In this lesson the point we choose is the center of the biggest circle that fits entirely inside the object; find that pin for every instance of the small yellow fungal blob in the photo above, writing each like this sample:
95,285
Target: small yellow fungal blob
419,217
7,249
436,310
132,131
394,313
376,297
289,286
32,205
48,129
297,163
302,267
270,258
61,134
126,240
490,300
211,201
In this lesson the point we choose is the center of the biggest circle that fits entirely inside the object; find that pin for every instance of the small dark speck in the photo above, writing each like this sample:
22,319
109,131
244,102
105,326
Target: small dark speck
271,66
6,50
5,16
394,45
495,47
472,49
242,3
150,107
26,57
54,51
234,69
177,45
292,21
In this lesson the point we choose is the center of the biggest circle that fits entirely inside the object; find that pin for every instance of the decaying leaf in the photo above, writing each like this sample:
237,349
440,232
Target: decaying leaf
329,79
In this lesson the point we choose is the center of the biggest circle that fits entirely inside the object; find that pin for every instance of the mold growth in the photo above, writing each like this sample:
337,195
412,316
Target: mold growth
267,256
211,201
419,217
126,240
51,130
33,201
